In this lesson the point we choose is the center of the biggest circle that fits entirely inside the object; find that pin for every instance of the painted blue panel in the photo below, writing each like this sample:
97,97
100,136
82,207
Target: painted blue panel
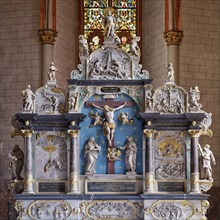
122,132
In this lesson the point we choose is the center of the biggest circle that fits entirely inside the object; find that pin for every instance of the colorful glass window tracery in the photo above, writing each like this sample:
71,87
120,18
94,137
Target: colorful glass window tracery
125,12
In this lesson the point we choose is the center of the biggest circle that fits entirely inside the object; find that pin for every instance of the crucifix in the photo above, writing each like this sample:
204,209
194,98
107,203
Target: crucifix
109,106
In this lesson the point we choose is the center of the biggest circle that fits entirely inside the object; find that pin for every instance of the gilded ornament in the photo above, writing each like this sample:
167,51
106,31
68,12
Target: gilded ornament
173,37
47,36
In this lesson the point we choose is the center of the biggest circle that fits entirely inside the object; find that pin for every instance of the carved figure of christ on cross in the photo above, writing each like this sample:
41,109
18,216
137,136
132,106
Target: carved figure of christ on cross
109,107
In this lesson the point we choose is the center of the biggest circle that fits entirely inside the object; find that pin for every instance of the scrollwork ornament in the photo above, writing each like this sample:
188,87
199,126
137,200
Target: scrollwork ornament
203,210
18,207
111,209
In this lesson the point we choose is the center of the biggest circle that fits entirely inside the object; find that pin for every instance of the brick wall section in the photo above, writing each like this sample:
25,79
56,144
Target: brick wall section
154,51
200,64
66,46
19,65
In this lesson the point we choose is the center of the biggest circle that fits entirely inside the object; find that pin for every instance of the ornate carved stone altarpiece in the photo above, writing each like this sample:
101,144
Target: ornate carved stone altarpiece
112,147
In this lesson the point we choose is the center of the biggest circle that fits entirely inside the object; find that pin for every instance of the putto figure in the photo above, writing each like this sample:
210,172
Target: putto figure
52,72
16,162
109,125
194,97
109,24
28,101
135,49
170,72
83,46
130,154
207,158
91,154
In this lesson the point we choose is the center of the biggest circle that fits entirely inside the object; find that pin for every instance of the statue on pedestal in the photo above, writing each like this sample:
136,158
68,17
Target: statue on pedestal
91,154
207,158
29,96
109,23
52,72
16,162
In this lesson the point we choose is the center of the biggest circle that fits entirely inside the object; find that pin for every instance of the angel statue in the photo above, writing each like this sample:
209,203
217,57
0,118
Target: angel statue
98,119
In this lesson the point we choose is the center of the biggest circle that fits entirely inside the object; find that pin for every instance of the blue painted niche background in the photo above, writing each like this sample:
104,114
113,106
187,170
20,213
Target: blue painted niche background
122,132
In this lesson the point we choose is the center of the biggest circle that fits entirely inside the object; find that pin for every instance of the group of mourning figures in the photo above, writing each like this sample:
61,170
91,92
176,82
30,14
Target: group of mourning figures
92,150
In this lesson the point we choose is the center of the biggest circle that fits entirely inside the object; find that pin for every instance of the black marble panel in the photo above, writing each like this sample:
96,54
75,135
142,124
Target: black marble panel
51,187
111,187
170,186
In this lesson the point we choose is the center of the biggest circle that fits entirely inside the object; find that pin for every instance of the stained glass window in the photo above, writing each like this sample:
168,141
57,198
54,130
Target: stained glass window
94,12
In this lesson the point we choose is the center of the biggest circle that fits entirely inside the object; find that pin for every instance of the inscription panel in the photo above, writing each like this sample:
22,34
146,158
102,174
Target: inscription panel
110,187
170,186
51,187
110,89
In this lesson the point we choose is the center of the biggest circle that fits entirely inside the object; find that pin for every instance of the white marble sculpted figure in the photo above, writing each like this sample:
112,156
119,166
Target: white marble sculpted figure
91,154
52,72
130,154
194,97
109,24
28,101
170,72
207,159
83,46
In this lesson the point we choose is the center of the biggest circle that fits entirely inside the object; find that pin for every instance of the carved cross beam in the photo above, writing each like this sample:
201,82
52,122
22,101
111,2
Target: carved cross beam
110,102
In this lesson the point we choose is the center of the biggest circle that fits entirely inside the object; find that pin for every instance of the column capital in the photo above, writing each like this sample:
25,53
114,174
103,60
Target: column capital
198,133
148,133
173,37
27,133
47,36
73,133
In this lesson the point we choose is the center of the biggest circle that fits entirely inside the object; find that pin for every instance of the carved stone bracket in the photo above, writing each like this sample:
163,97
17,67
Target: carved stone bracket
47,36
173,37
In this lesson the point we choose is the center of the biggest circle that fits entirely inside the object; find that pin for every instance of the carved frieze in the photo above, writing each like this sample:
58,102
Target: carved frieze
171,210
111,209
49,210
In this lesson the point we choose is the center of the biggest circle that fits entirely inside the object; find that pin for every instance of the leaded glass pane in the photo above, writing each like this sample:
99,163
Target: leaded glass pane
125,12
93,19
126,19
95,3
124,3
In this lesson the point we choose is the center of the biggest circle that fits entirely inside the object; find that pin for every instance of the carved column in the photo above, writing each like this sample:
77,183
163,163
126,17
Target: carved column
149,161
28,163
74,163
194,164
47,34
173,35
